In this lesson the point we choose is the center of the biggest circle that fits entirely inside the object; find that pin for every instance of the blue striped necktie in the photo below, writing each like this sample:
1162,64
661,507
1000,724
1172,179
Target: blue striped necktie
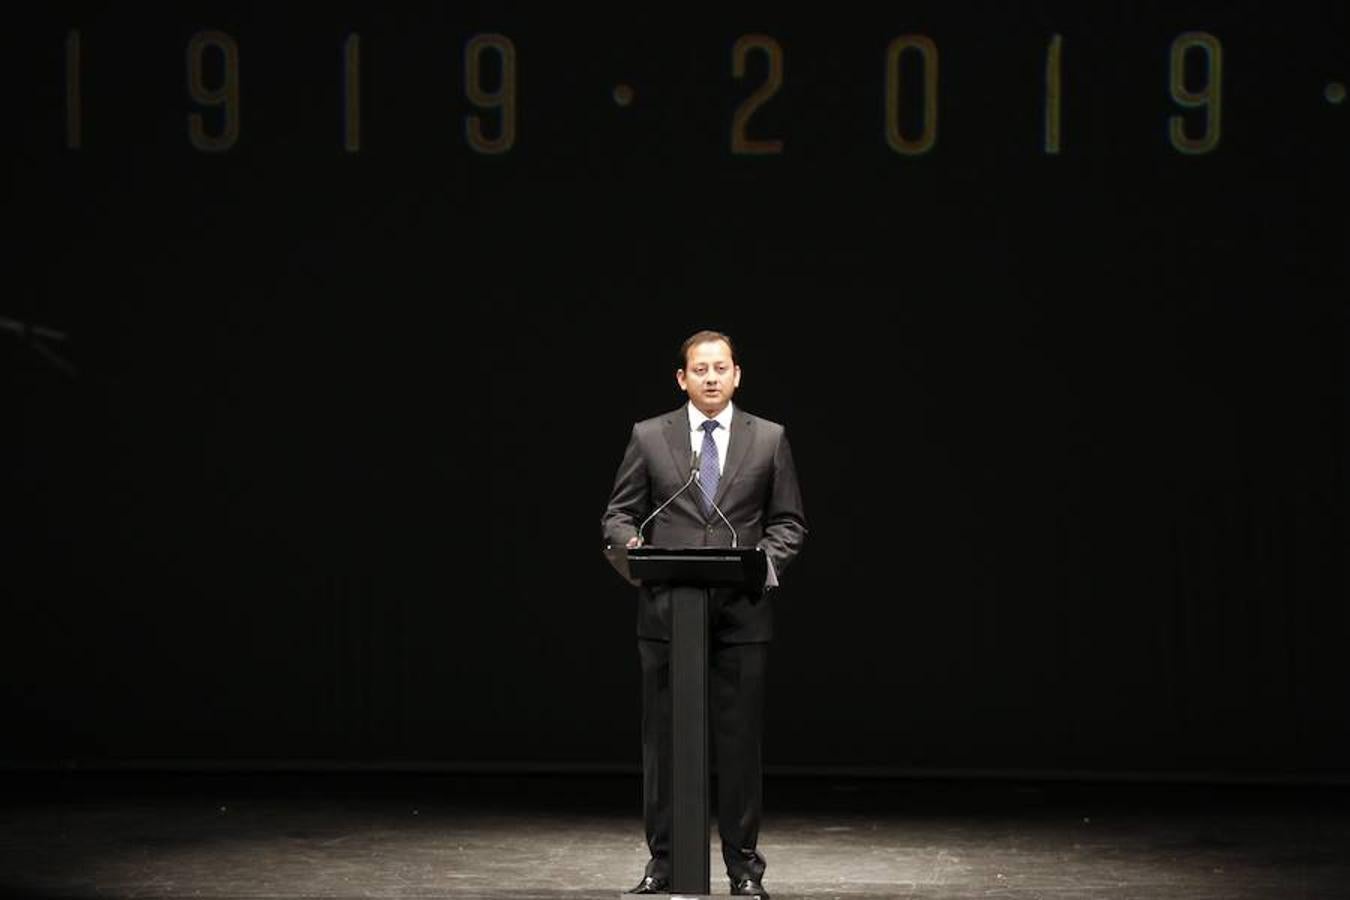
708,469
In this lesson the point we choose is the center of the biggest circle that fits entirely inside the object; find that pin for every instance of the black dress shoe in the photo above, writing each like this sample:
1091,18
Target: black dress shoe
651,885
749,887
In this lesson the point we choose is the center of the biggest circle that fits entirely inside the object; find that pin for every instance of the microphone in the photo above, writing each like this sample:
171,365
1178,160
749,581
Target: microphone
30,329
693,476
717,509
33,335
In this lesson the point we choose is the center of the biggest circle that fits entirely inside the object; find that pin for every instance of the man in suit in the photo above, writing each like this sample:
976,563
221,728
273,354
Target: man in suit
745,472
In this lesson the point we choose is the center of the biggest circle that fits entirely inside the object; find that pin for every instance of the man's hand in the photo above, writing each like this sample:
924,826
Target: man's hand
634,541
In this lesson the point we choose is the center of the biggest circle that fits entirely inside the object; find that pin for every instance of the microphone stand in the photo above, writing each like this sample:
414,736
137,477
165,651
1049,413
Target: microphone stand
693,476
717,509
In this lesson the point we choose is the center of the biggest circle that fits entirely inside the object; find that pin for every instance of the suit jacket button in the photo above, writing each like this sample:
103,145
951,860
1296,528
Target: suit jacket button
710,529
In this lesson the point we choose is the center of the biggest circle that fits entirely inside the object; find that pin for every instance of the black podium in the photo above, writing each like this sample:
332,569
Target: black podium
690,573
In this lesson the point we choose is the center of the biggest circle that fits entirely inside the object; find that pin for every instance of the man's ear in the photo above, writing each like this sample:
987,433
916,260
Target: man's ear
736,377
679,379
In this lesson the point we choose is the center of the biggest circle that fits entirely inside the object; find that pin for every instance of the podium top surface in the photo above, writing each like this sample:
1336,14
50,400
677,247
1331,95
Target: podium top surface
737,567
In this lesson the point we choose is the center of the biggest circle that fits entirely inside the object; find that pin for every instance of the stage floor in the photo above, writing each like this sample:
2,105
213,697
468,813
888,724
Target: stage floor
83,835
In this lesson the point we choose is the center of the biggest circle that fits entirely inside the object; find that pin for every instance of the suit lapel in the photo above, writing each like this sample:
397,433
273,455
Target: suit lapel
738,448
677,436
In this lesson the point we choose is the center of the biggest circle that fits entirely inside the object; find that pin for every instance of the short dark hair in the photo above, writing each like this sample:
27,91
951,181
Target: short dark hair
703,337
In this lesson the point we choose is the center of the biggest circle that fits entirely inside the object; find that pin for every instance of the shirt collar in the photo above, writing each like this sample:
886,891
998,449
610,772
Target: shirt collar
697,418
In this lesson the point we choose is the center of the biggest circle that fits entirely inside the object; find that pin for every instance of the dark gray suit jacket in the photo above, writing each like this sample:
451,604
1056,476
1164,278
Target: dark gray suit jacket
757,492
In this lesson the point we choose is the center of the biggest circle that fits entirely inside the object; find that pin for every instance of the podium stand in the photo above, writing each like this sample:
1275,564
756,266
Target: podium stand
690,573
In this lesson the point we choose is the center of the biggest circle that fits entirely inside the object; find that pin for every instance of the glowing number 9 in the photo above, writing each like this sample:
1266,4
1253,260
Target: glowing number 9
502,99
225,96
1208,98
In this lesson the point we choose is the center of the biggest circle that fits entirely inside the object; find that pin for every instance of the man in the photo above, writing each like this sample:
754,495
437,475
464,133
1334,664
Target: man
746,470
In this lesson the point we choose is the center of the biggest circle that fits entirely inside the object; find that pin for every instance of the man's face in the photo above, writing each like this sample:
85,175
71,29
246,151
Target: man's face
709,376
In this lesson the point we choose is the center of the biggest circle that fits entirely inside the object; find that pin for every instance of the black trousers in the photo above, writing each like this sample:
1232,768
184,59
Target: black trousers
736,720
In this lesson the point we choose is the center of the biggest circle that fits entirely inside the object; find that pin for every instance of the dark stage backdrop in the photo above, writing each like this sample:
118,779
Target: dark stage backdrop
361,306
